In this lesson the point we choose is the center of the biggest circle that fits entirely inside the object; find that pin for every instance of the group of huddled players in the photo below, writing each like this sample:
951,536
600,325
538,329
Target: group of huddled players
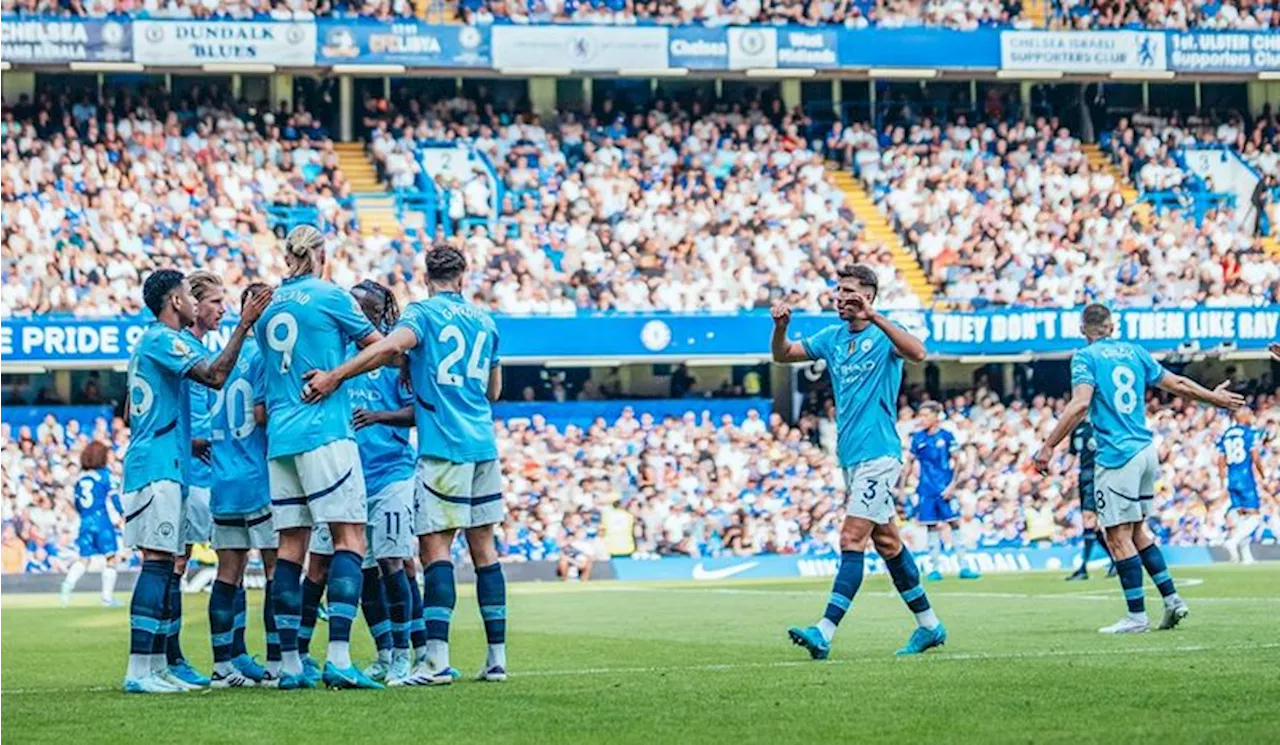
264,447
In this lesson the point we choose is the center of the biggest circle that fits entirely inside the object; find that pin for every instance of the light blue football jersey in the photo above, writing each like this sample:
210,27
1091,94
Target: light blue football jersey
866,373
308,326
159,408
1236,446
1120,373
457,345
198,472
239,444
385,453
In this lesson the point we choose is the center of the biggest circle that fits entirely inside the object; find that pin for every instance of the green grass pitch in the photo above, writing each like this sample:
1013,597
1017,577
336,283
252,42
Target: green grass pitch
683,662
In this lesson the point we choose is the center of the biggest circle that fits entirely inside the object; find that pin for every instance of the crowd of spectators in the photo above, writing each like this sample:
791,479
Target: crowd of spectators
957,14
1014,214
854,14
96,194
700,486
671,209
1176,15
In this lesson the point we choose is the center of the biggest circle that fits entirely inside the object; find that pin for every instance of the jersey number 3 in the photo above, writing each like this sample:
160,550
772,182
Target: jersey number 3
476,368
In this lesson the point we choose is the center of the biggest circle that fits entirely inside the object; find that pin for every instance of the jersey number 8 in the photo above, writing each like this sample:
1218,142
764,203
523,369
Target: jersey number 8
1125,397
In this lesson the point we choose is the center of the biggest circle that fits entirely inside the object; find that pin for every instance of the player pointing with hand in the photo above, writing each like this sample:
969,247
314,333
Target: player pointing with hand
864,355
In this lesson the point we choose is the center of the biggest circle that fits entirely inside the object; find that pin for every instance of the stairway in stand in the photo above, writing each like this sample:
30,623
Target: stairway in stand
880,231
373,204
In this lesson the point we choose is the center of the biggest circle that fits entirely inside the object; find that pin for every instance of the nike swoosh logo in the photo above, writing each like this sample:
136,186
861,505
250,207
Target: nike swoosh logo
702,573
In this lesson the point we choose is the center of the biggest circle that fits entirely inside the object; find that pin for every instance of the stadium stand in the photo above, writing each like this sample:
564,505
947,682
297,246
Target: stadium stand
700,487
1233,15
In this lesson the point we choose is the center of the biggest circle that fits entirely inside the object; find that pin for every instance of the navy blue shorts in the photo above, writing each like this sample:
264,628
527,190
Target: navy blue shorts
1244,499
98,542
935,508
1088,502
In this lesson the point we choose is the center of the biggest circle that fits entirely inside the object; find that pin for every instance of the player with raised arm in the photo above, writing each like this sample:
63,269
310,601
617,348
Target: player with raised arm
933,452
98,504
1240,469
452,351
197,524
155,477
241,511
1109,381
383,414
313,465
864,356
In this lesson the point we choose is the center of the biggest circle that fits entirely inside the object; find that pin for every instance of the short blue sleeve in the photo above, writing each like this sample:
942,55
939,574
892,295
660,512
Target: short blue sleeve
818,346
352,323
951,441
1082,370
257,380
1222,442
494,357
415,319
173,353
1153,371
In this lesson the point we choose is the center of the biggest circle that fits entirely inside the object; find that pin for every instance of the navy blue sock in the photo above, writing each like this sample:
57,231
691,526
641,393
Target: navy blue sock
1090,538
848,580
906,578
439,598
311,594
1130,571
1153,561
269,623
242,618
345,580
222,616
374,605
396,588
417,625
173,644
161,639
491,593
286,601
146,607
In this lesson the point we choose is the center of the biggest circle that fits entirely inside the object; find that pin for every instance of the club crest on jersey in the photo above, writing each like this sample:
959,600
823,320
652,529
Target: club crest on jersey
865,346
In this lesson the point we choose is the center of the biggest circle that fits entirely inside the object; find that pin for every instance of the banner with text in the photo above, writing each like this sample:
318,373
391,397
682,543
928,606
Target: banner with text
205,42
407,43
62,40
54,341
1224,51
774,566
579,47
1083,51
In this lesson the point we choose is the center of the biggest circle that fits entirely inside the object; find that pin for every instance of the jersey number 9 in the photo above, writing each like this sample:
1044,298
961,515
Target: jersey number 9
283,344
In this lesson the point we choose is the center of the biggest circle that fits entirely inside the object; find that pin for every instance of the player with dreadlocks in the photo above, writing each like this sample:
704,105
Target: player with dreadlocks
383,414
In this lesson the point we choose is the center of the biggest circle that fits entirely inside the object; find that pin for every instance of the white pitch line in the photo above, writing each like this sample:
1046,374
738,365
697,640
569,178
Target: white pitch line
924,659
777,664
